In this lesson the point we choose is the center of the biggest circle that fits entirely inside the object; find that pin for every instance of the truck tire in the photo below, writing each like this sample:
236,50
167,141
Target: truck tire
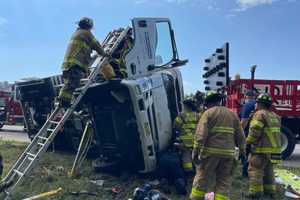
288,142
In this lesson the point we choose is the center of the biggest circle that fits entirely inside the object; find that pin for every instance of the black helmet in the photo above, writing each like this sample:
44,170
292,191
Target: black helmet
86,23
265,99
189,103
212,97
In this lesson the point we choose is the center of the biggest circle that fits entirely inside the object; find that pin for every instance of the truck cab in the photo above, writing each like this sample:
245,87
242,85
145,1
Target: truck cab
132,117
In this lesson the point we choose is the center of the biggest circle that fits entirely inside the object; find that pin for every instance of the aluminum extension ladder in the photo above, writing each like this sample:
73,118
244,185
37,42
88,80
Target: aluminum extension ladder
40,143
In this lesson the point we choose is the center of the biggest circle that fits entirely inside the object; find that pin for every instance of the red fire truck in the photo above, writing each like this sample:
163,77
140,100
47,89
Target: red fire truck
10,109
285,93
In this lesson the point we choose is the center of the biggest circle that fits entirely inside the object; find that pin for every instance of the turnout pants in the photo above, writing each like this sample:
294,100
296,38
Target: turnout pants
211,166
261,174
186,159
71,79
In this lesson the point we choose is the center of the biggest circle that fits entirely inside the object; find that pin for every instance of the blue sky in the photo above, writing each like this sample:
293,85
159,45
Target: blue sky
34,33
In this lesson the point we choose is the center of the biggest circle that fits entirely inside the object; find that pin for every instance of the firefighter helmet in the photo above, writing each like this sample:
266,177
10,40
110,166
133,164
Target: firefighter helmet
264,98
86,23
212,97
189,103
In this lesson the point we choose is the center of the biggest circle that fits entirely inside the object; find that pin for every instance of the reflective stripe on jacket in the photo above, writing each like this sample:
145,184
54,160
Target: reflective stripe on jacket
264,133
218,133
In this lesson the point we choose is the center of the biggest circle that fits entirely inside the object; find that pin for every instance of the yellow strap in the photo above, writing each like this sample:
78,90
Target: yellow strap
254,188
272,139
266,150
250,139
270,187
219,196
219,151
188,165
65,94
222,129
256,124
189,126
197,193
45,194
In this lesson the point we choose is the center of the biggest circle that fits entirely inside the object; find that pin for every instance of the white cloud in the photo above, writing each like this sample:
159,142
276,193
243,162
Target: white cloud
167,1
246,4
229,16
177,1
3,21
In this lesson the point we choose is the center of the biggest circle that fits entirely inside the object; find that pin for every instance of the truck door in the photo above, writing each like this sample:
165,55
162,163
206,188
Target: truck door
154,47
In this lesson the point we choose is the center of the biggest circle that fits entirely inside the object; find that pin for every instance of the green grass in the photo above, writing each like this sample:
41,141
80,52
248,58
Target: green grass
52,173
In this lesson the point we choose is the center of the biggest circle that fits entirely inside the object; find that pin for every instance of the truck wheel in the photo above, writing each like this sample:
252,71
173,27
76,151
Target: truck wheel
288,142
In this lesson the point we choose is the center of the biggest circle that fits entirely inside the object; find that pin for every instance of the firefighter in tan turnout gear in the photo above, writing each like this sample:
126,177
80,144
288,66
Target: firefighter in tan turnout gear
77,59
218,133
185,126
264,138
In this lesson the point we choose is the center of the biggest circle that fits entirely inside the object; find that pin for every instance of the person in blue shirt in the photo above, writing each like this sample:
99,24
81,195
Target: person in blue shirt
245,114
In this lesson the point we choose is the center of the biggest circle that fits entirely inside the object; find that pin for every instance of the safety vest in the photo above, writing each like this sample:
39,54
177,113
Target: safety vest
187,122
265,134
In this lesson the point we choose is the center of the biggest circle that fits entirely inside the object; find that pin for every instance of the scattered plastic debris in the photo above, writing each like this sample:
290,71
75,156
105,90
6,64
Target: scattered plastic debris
116,190
97,182
210,196
83,192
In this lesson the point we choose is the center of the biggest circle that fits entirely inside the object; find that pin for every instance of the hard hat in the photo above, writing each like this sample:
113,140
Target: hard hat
212,97
264,98
85,23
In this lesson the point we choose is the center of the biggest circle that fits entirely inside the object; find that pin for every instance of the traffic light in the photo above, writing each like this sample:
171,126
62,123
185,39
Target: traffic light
216,69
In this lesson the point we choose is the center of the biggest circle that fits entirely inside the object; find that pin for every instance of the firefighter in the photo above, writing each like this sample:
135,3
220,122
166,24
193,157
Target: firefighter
118,57
185,125
77,58
198,97
218,133
264,138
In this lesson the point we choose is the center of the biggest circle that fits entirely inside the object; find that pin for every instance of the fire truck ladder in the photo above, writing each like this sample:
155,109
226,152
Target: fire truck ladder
49,130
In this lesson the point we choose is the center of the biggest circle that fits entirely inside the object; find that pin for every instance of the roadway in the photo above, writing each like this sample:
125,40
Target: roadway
16,133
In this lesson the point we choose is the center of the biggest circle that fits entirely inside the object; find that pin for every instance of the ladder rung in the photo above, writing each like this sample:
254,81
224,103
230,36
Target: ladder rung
41,144
29,158
54,122
18,172
49,129
31,154
43,138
